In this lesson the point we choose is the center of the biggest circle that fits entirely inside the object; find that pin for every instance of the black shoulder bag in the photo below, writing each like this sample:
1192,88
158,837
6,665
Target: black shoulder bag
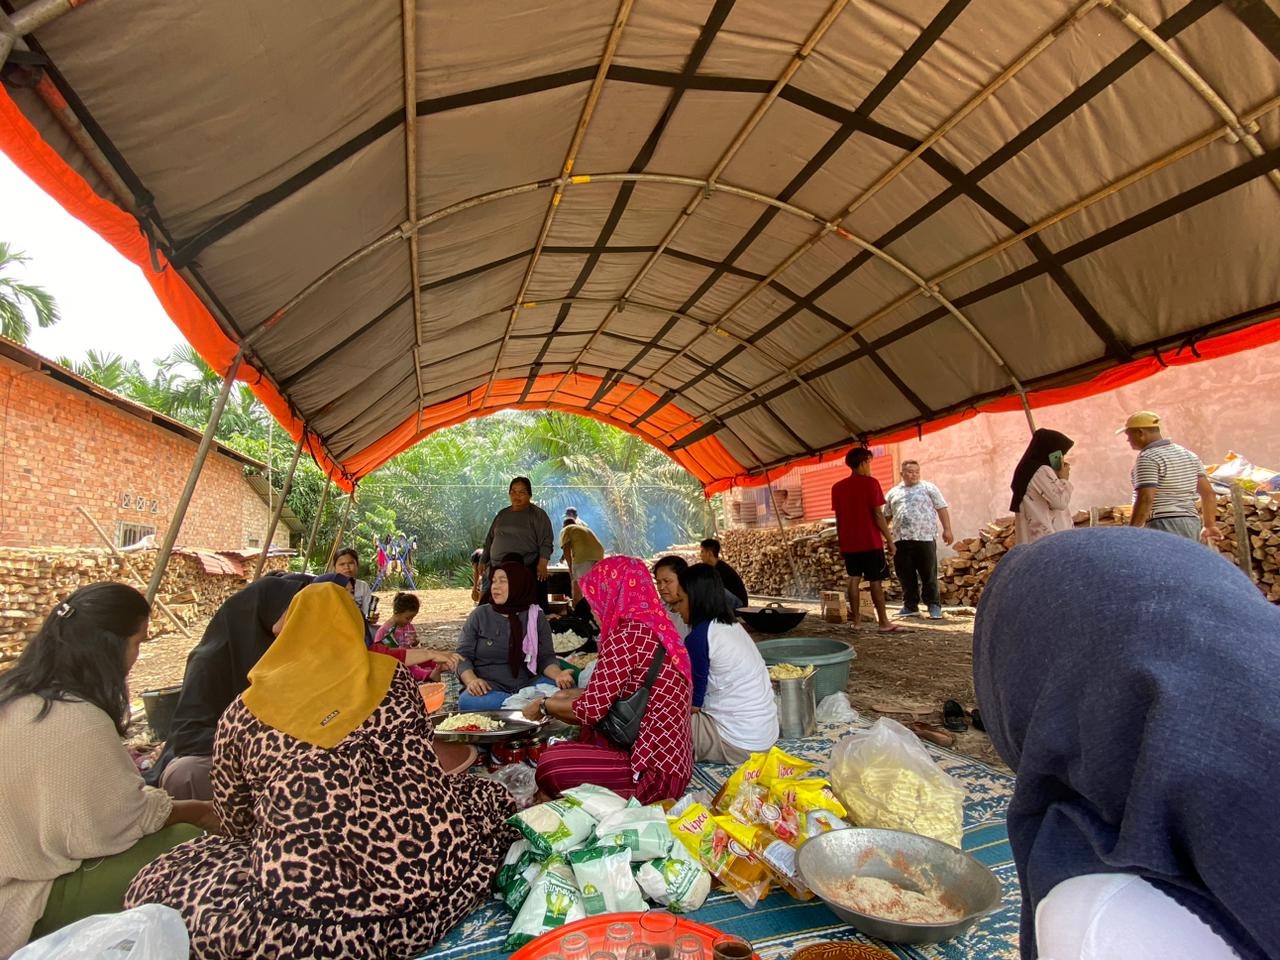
621,725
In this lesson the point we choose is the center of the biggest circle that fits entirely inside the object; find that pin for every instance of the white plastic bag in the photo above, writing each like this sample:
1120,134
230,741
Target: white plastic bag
149,932
885,778
836,708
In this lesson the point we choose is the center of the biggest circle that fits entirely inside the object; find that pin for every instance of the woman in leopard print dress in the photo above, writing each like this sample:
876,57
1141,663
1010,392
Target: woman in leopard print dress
339,842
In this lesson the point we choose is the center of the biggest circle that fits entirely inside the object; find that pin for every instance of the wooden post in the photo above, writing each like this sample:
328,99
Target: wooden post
1093,516
1244,548
184,501
133,574
284,494
342,528
777,516
315,523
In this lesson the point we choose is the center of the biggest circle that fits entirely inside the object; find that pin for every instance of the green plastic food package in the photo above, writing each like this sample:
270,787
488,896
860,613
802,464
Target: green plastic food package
604,876
515,877
598,802
554,826
642,830
553,901
678,882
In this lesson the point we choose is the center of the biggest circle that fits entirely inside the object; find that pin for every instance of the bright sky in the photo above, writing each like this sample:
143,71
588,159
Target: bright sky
105,302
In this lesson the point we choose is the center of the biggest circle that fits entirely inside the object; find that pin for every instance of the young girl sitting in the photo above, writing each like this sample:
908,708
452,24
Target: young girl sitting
398,638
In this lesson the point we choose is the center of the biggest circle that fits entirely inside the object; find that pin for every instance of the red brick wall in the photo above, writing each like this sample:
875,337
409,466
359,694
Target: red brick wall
61,448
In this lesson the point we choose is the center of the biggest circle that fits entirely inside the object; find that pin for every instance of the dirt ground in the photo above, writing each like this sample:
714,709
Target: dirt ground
904,676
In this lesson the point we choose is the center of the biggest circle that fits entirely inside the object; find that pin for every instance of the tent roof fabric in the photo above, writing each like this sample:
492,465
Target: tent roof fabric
749,232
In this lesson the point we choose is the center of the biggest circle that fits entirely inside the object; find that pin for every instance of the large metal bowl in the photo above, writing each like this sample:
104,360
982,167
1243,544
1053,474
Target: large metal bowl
514,726
958,879
773,618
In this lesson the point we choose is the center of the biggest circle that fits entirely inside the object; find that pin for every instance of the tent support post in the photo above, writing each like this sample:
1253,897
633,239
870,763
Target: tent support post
30,18
275,514
1026,408
315,523
777,516
184,501
342,528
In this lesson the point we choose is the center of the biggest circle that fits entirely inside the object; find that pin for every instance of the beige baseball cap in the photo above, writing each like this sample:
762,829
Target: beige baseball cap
1142,420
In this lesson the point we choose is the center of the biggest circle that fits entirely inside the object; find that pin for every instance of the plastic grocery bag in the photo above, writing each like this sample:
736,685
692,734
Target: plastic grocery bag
836,708
885,778
149,932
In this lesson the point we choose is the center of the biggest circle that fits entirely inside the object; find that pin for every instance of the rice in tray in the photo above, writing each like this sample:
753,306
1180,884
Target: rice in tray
474,722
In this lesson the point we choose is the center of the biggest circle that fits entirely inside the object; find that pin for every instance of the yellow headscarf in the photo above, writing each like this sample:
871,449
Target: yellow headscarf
317,682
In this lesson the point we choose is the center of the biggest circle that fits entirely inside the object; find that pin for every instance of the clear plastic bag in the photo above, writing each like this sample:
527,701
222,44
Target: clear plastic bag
519,781
886,778
836,708
149,932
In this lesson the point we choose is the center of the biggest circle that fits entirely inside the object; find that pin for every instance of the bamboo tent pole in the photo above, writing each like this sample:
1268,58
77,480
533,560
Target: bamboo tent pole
184,501
284,494
342,528
315,523
133,574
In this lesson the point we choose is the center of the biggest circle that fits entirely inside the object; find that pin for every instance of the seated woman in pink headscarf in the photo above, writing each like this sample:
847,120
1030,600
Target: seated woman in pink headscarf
634,630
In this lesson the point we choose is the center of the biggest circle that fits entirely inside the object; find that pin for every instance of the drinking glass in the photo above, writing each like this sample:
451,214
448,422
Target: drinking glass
689,947
606,955
658,930
640,951
575,946
729,947
617,937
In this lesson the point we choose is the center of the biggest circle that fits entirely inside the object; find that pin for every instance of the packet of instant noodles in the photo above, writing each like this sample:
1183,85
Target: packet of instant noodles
553,901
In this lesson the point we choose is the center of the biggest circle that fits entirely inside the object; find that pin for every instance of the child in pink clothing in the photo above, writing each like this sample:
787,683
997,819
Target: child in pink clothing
398,638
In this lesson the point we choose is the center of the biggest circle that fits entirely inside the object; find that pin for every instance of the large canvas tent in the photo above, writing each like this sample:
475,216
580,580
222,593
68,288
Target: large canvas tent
749,231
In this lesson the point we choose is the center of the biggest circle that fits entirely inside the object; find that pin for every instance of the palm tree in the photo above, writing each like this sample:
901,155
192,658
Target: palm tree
17,298
109,370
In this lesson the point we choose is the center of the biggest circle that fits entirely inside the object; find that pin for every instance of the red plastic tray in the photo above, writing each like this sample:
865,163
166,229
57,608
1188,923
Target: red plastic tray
594,927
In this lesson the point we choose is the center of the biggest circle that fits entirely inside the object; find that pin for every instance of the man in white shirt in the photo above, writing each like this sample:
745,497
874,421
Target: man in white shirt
915,508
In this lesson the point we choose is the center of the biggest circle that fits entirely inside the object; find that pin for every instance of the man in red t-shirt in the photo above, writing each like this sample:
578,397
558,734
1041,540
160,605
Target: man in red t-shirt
864,534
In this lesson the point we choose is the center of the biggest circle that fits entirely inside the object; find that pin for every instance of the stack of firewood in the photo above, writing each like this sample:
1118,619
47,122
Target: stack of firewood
34,581
761,558
963,576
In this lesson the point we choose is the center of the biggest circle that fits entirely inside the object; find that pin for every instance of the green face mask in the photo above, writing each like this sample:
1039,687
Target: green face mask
1055,459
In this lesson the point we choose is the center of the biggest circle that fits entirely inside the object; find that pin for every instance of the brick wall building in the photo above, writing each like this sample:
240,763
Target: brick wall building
67,443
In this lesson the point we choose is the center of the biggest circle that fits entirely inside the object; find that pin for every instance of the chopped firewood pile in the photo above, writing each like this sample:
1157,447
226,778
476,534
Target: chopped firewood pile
33,581
963,576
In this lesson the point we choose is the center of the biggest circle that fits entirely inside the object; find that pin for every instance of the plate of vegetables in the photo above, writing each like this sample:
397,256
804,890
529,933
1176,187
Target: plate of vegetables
483,726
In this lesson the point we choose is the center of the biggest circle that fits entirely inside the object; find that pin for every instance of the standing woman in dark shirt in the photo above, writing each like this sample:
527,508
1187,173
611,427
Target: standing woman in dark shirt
524,529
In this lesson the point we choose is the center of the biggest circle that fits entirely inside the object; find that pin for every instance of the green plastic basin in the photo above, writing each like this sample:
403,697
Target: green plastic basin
830,660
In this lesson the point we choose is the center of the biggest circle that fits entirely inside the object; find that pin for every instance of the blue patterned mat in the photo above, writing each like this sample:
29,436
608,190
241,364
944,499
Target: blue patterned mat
779,926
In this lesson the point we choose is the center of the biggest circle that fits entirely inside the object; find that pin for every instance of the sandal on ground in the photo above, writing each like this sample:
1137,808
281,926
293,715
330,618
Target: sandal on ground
953,717
976,717
894,628
926,732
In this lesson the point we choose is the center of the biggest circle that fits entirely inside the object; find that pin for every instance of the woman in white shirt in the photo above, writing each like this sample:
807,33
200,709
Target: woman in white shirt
734,711
1130,679
1042,487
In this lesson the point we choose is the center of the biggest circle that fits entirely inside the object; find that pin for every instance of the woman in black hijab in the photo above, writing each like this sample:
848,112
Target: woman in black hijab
1130,678
1042,487
217,672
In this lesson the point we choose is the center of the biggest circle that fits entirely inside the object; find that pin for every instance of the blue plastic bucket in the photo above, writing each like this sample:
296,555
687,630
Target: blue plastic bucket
830,660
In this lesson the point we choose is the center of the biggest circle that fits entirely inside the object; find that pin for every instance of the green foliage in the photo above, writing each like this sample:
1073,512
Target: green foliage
445,490
20,301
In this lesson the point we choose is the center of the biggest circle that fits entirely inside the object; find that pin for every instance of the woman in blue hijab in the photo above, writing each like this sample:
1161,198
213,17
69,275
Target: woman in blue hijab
1132,680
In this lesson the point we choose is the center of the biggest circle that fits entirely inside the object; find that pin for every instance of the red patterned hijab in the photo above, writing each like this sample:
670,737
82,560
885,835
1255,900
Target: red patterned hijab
620,588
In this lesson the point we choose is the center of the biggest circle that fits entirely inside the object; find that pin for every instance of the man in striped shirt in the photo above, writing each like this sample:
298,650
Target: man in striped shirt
1167,479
